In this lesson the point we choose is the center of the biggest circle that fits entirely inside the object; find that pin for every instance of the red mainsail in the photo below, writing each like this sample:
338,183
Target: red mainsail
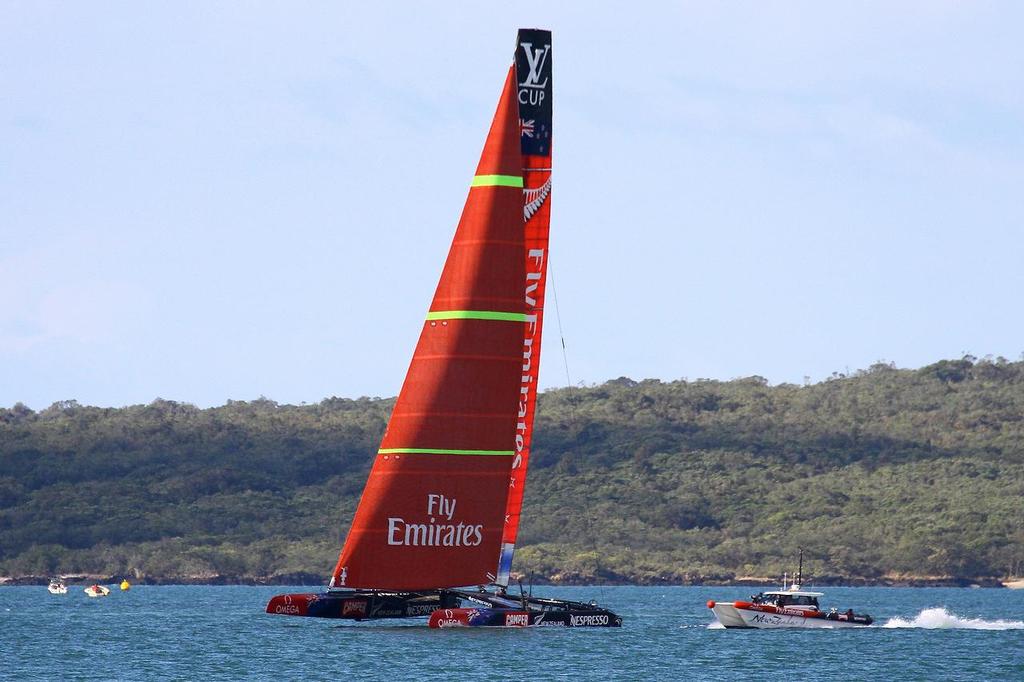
433,510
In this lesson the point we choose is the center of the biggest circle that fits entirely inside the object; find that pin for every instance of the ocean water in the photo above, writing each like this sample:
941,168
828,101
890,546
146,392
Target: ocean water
213,633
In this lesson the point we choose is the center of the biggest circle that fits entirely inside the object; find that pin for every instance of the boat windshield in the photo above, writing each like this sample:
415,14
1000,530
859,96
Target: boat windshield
795,600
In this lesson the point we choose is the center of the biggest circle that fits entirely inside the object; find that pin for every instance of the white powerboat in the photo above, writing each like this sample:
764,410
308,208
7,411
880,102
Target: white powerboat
97,591
57,586
789,607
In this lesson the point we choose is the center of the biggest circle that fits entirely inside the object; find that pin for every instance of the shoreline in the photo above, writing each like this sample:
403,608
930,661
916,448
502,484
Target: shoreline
315,580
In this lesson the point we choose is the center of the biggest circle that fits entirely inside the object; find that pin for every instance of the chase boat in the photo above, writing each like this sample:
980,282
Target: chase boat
790,607
57,586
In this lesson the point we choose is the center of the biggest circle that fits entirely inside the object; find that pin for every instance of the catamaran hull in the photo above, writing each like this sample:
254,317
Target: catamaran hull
360,605
734,615
513,618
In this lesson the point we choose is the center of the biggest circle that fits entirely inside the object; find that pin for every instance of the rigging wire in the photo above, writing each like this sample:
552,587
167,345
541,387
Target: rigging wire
587,515
561,336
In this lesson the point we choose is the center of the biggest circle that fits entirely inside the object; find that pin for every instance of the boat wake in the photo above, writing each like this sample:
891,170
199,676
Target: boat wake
941,619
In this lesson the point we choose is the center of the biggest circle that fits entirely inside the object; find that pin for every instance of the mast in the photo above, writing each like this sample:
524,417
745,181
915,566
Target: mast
533,75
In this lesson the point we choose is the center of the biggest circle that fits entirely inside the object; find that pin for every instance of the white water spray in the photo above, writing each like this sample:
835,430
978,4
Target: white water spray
941,619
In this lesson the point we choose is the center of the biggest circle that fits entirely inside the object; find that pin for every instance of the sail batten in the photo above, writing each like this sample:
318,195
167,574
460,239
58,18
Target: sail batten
477,315
497,181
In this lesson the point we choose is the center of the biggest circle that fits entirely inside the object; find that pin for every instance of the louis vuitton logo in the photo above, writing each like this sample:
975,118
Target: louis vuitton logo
535,59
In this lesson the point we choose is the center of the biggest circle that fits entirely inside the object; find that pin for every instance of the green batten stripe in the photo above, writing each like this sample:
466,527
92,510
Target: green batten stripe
476,315
432,451
497,180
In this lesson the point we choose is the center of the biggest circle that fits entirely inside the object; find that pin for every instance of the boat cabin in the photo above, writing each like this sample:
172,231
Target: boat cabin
787,598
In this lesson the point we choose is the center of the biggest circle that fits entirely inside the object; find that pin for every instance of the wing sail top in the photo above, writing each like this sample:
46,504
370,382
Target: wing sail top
533,93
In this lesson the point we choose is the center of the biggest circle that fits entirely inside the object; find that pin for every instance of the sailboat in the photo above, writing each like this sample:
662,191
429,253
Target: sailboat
437,523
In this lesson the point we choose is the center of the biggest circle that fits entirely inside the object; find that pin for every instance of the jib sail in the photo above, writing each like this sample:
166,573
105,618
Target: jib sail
432,514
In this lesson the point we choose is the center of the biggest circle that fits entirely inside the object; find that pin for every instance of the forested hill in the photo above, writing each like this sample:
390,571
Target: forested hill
883,474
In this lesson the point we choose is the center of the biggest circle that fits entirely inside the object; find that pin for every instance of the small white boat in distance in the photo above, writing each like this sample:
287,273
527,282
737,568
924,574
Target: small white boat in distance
790,607
57,586
97,591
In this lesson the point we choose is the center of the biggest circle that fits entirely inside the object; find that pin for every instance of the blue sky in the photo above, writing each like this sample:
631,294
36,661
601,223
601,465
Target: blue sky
211,201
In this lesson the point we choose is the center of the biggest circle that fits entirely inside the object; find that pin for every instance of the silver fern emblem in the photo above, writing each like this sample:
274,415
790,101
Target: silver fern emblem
533,199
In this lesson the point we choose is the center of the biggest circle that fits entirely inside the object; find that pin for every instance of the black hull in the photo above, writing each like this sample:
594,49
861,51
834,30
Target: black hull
361,604
485,609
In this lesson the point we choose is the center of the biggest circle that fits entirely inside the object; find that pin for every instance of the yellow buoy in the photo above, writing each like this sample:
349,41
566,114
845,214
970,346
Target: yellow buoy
125,585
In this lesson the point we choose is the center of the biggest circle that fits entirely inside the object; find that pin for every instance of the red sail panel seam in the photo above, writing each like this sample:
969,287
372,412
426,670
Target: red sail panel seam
416,473
457,356
468,302
480,415
485,242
